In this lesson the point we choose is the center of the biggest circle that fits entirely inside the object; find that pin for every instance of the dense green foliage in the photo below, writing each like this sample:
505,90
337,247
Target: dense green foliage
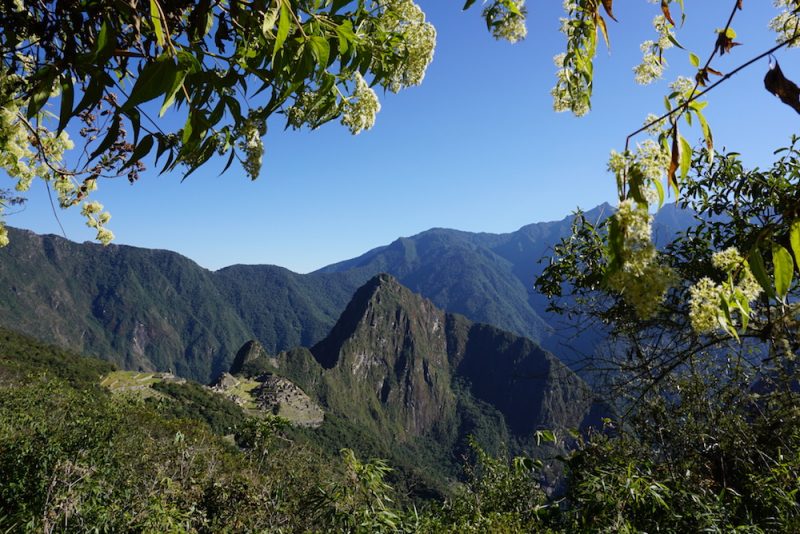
709,382
221,68
140,309
191,400
75,458
21,357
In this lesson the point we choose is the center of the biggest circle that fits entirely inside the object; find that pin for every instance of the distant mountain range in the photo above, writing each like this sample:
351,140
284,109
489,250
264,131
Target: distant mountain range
157,310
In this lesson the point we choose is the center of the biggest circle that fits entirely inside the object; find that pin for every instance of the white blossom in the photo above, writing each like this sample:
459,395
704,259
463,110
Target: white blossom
641,279
728,260
787,23
705,297
652,66
362,107
683,86
413,54
506,24
250,142
704,306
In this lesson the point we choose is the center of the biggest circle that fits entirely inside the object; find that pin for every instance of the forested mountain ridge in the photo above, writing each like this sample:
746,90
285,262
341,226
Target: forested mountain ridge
419,381
139,308
157,310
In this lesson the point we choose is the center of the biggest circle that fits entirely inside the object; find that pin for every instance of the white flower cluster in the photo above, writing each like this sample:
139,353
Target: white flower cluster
404,17
617,162
251,144
683,86
656,127
653,63
97,218
308,109
652,66
705,302
361,108
563,98
787,23
650,159
506,24
641,279
23,162
573,89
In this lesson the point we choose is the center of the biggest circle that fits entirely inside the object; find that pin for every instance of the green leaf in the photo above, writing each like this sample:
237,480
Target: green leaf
136,122
67,101
756,262
111,136
41,91
784,270
187,64
169,96
706,131
694,60
468,4
155,18
284,25
725,320
686,156
320,49
547,436
674,41
743,306
660,191
188,130
794,239
102,40
346,35
155,79
140,151
698,105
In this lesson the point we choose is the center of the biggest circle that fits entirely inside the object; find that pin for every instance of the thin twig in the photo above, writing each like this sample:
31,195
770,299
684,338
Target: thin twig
712,86
694,96
53,207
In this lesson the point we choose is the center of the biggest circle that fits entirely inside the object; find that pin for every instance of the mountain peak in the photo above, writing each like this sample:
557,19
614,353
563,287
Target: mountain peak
389,349
250,355
381,292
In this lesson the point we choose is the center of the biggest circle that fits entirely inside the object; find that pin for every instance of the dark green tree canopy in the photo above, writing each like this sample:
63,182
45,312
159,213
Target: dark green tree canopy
222,68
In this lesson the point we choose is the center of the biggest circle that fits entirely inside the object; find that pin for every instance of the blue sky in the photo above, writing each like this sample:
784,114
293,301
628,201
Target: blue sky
477,147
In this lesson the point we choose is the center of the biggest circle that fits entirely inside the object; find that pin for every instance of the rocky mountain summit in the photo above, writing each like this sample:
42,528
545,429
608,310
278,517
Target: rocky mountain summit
408,372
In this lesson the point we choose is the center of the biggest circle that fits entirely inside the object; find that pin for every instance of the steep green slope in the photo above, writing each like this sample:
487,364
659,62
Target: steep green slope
458,274
417,381
139,308
74,457
285,309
